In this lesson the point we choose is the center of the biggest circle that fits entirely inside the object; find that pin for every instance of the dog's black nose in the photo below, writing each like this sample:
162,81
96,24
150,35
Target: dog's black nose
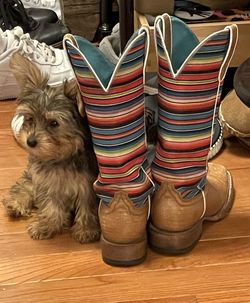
31,141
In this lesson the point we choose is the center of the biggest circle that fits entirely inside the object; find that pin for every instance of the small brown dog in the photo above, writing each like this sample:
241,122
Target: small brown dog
62,165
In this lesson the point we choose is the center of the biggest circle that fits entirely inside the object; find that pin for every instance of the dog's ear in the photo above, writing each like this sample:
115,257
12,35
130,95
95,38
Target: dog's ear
27,74
72,91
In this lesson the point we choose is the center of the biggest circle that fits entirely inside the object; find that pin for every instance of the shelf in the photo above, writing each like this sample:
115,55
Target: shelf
202,30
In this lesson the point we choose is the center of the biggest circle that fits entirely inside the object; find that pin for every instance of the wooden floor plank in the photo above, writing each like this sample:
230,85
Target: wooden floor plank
236,225
132,286
7,106
21,245
183,299
86,261
7,142
17,158
241,296
9,176
6,118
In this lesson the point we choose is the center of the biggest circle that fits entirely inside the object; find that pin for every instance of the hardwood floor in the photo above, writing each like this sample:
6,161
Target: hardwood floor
61,270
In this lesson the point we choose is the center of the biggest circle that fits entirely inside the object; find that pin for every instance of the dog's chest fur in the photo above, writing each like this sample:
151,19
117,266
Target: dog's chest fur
56,182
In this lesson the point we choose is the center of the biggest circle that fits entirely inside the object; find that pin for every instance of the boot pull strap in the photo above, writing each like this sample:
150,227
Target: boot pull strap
71,39
204,203
80,104
167,33
230,52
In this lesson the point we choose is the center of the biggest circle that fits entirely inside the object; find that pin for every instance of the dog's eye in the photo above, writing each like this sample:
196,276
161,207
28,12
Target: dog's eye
29,119
53,123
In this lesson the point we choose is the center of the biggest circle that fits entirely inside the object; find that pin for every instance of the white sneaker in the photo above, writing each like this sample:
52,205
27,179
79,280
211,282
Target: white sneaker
50,60
54,5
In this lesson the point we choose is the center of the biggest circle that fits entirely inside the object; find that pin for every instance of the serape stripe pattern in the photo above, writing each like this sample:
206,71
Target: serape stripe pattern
187,101
116,119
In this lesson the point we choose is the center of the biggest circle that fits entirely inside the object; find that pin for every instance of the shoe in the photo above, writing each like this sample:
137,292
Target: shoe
42,15
55,5
235,108
50,60
191,11
38,14
50,33
113,95
124,239
187,187
176,224
235,116
13,14
187,101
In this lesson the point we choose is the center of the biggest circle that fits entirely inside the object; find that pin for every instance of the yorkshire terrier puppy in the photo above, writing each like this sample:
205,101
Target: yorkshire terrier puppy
62,165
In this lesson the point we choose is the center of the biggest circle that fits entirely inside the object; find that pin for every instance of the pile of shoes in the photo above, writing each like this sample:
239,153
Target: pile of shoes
33,28
50,60
37,19
235,108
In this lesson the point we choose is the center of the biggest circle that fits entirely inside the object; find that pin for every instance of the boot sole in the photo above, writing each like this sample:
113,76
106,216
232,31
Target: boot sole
175,243
123,255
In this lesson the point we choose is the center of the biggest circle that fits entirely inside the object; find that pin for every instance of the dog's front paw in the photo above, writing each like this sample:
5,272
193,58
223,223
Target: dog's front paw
40,231
16,209
85,235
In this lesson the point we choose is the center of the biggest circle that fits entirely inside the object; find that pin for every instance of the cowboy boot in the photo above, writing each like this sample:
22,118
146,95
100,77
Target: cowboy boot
189,190
113,96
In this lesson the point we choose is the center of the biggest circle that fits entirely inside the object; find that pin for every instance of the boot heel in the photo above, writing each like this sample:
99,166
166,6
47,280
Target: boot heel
174,243
123,254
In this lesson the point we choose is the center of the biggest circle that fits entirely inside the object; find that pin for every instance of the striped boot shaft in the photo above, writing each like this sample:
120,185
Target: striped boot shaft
115,110
188,96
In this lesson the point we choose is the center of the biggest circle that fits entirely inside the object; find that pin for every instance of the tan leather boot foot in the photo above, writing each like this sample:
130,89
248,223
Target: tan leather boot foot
176,224
123,240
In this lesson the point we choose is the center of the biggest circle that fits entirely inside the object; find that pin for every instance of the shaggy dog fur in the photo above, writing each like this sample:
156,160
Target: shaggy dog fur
62,166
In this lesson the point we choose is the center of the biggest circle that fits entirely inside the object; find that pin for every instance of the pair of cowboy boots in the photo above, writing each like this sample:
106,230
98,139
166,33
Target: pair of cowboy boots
185,190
